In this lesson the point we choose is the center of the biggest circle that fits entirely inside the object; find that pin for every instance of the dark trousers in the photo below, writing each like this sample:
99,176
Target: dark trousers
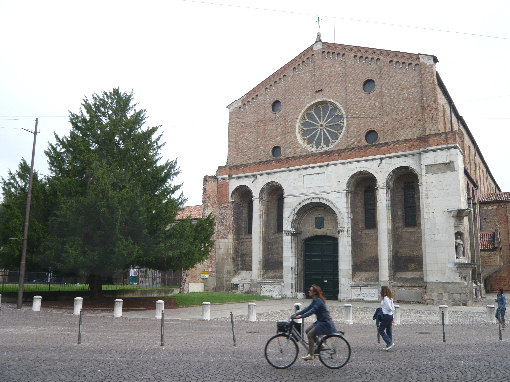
385,328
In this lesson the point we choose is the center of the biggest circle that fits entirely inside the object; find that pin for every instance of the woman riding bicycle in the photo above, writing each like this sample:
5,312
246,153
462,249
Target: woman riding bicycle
324,324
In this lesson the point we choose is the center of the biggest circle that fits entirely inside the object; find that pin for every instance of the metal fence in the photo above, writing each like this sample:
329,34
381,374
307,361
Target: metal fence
39,281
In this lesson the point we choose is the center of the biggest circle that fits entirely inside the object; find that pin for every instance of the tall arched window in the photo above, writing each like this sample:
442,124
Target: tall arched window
250,216
279,214
409,205
370,207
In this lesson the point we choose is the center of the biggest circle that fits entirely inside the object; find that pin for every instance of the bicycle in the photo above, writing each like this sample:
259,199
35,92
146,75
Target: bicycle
281,350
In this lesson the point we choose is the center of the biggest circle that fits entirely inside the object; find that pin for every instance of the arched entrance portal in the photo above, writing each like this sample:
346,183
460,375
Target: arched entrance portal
321,264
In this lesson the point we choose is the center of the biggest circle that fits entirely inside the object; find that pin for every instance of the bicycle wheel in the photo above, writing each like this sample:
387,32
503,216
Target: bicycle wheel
281,351
335,351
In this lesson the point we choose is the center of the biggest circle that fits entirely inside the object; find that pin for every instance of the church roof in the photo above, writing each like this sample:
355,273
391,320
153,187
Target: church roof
494,197
192,212
487,241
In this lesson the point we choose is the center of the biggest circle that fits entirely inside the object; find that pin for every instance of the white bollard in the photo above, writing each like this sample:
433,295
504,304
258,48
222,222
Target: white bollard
206,311
348,314
78,303
443,308
491,314
396,318
117,308
36,304
160,305
252,314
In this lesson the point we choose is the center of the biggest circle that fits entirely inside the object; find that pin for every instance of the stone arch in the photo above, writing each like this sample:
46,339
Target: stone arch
314,218
362,191
294,216
406,260
271,217
242,210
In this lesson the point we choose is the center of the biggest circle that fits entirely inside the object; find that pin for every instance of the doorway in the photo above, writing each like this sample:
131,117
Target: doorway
321,265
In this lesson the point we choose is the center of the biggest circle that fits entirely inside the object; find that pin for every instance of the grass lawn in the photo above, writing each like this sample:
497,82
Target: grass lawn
189,299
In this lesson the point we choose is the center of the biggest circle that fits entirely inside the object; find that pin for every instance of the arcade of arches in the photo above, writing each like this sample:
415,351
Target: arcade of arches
314,229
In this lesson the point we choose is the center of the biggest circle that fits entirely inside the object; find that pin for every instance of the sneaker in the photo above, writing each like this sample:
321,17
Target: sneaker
389,346
308,357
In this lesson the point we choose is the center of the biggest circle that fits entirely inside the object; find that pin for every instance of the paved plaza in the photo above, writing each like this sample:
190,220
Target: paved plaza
42,346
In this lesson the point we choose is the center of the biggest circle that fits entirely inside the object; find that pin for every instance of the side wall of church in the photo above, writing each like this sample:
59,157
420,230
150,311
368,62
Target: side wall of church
216,200
492,215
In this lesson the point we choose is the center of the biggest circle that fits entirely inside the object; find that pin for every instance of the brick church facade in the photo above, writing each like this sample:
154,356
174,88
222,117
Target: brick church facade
350,168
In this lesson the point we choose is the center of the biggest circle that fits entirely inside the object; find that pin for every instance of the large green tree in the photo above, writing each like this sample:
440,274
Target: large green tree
115,200
12,219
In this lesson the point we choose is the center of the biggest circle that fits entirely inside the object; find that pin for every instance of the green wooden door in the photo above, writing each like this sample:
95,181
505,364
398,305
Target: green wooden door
321,265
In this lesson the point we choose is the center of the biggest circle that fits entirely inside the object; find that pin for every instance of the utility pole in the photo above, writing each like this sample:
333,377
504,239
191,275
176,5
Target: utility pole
25,231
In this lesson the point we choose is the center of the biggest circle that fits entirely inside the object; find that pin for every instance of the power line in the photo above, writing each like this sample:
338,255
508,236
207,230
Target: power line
32,116
357,20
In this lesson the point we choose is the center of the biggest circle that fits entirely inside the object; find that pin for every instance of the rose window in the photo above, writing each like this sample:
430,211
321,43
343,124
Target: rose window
321,125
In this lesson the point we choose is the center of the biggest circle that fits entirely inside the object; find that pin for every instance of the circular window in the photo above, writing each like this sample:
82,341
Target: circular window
276,151
320,125
368,86
371,136
276,106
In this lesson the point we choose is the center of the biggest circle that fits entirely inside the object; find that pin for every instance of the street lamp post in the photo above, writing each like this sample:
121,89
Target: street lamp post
25,230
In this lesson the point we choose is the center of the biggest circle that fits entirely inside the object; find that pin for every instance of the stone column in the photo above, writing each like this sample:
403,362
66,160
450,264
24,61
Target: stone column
206,311
396,318
348,314
443,308
36,304
382,234
491,314
78,303
289,262
252,314
117,308
256,247
160,305
344,248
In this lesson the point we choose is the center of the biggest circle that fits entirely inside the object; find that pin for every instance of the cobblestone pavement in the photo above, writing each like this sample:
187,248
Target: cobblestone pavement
42,346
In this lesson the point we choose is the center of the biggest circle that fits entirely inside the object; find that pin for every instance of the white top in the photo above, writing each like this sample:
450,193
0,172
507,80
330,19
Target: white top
387,305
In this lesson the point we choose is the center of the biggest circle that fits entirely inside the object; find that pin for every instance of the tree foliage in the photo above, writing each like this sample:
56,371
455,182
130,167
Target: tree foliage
12,218
109,201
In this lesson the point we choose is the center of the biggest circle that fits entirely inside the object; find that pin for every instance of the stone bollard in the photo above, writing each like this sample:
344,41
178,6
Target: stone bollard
206,311
443,308
491,314
117,308
396,318
252,314
36,304
0,302
348,314
160,305
78,303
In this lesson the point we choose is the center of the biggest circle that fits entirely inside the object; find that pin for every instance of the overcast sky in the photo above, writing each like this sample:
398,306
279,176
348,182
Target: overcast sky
187,60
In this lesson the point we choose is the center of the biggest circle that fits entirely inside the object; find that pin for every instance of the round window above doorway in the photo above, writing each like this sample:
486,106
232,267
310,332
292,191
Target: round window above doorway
320,125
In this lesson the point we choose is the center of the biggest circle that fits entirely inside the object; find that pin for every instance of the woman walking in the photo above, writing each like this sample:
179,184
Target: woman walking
324,324
388,309
500,312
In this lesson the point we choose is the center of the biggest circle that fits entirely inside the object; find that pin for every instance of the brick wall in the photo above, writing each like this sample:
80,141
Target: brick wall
272,240
394,108
364,247
407,255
